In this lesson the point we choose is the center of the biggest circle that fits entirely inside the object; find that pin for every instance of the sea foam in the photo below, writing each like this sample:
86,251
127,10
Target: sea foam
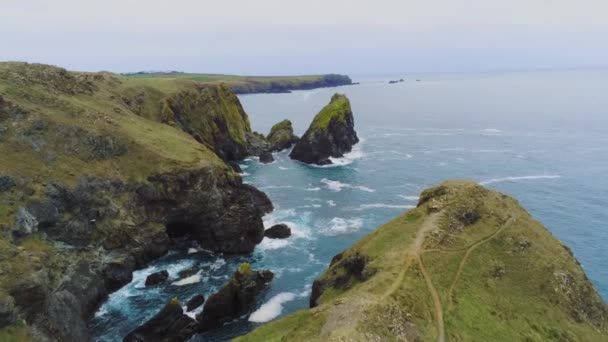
271,309
518,178
341,226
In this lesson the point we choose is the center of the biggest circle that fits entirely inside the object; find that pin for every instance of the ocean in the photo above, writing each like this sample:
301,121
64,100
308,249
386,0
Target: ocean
541,137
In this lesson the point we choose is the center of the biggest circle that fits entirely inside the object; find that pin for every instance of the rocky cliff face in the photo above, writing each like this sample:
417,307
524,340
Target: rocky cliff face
468,264
93,185
330,135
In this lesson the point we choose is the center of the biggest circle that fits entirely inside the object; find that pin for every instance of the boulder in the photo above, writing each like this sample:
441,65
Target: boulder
235,298
330,135
25,223
278,231
7,311
168,325
281,136
266,157
195,302
157,278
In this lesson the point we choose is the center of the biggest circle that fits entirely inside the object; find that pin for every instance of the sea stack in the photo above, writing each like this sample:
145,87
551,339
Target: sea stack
281,136
330,135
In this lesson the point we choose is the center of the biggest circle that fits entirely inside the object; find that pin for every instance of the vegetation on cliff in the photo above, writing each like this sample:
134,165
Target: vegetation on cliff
281,136
468,264
330,135
252,84
97,172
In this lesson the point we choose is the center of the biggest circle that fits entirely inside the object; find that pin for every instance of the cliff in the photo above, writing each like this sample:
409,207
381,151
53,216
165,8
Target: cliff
281,136
251,84
97,174
468,264
330,135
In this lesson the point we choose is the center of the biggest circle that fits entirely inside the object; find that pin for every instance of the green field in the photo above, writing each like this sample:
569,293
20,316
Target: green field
251,84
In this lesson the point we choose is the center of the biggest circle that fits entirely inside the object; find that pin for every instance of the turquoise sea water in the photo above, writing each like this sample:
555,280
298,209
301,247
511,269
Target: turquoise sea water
539,136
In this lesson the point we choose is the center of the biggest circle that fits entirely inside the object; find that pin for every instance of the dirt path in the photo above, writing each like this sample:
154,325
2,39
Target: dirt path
410,254
466,256
436,301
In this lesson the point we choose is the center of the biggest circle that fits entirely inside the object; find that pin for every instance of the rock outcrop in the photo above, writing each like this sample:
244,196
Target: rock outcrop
266,157
157,278
465,254
281,136
170,324
278,231
330,135
195,302
235,298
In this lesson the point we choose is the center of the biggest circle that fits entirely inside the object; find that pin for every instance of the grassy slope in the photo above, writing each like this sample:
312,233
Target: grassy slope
337,109
241,84
63,102
503,278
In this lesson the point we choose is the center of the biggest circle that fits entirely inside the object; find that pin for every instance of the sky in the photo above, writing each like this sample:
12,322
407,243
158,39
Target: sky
274,37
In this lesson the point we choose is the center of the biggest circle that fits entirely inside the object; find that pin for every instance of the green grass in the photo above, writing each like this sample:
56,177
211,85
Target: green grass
337,109
517,282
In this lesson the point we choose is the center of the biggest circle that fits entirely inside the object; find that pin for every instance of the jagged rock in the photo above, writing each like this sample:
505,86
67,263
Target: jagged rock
266,157
30,292
331,134
235,298
281,136
118,273
278,231
157,278
257,144
260,199
195,302
46,213
168,325
7,311
6,183
25,223
235,166
214,116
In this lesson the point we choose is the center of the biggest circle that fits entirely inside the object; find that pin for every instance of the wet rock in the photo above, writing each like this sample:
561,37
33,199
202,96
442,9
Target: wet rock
195,302
260,199
235,298
157,278
168,325
281,136
330,135
118,273
235,166
6,183
25,223
278,231
7,311
266,157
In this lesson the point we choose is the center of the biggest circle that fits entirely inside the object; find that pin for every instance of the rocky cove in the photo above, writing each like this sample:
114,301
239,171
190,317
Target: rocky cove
112,181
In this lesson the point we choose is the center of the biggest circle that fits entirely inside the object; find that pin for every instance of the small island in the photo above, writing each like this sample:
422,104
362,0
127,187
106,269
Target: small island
330,135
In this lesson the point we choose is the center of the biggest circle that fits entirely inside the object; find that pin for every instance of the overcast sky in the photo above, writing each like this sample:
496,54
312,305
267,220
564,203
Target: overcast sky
312,36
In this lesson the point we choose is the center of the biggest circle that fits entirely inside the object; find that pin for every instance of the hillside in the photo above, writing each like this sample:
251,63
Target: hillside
97,172
252,84
468,264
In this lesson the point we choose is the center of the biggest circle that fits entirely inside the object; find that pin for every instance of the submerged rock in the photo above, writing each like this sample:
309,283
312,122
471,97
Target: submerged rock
266,157
157,278
330,135
195,302
281,136
278,231
235,298
170,324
